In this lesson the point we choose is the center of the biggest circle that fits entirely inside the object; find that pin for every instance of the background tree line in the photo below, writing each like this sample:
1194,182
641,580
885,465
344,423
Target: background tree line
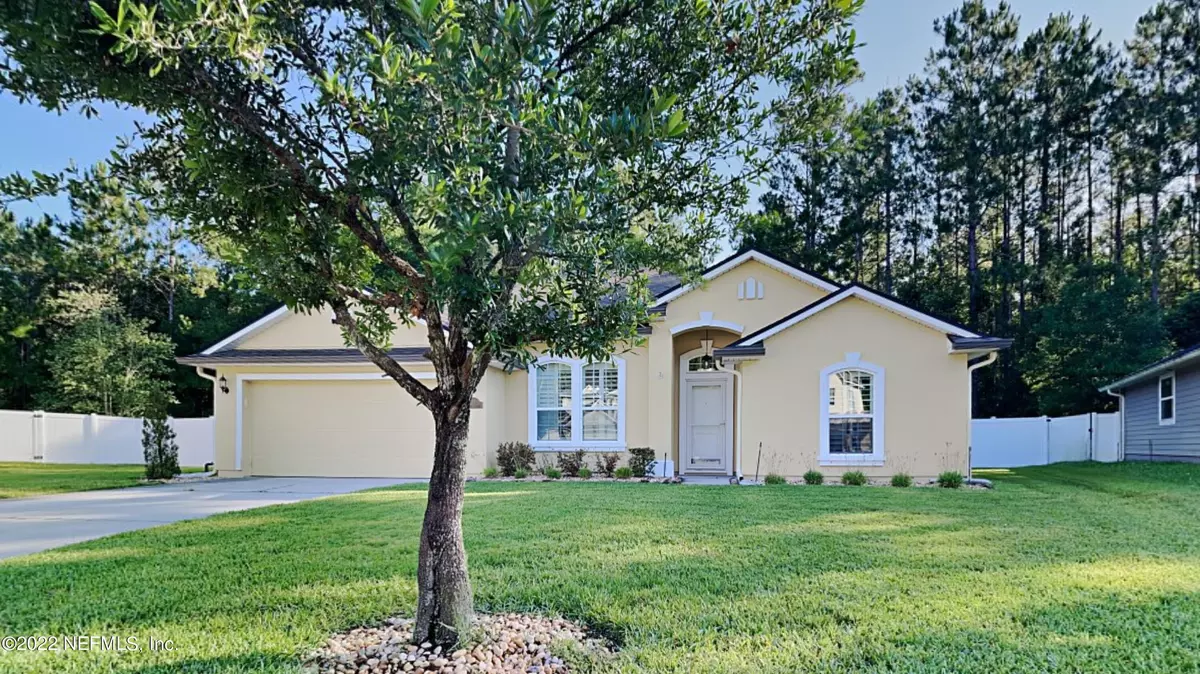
1044,188
95,305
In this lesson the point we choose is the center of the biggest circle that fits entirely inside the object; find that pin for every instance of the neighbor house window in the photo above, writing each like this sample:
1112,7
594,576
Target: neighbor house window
574,404
1166,398
852,413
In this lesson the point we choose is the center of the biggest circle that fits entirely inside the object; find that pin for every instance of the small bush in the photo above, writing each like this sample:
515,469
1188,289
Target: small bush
774,478
491,472
552,472
520,473
514,456
814,477
855,478
606,463
902,480
623,473
951,479
584,473
159,449
640,459
570,463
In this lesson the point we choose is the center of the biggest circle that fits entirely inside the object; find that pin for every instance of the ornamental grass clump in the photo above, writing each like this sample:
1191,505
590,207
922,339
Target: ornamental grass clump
813,477
854,478
902,480
951,479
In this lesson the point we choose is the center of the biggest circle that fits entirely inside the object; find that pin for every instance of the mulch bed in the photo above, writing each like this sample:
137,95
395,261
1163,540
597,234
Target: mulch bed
501,644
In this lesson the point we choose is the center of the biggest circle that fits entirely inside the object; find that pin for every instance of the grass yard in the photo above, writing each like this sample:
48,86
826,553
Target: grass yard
1060,569
20,479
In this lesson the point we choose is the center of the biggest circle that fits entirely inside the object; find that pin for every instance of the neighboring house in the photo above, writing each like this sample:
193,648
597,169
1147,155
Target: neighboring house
1160,409
764,367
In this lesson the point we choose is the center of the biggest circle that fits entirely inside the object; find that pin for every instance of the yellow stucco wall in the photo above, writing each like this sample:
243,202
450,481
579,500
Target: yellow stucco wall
926,413
315,330
926,421
782,295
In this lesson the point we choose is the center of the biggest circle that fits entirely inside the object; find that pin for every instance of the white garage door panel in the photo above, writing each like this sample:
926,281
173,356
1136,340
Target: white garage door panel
337,429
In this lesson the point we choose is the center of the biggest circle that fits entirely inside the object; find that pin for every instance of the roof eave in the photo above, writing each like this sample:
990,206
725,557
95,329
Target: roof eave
1154,370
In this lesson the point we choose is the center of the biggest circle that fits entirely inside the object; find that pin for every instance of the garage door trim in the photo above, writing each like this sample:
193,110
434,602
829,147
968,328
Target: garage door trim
239,379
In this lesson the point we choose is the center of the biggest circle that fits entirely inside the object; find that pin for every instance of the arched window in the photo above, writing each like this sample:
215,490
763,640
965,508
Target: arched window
852,413
573,404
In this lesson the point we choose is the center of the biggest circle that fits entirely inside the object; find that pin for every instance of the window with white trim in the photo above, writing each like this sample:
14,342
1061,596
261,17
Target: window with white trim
573,404
1166,399
852,413
555,402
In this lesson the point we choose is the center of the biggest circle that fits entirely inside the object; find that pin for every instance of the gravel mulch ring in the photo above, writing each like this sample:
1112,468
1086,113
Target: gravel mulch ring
506,643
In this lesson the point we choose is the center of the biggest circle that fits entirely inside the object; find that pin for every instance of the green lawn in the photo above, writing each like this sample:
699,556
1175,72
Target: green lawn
20,479
1061,569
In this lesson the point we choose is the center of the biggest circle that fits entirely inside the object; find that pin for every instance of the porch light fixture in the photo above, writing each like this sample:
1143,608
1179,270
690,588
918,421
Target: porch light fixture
224,384
707,362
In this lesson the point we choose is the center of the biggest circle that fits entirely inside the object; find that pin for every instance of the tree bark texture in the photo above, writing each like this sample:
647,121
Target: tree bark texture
444,599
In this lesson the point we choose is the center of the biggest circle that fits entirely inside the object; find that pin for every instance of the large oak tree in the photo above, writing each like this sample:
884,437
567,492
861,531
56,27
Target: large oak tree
503,172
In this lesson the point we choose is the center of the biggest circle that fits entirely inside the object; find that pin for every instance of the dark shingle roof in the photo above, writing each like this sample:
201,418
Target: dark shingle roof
404,354
1178,358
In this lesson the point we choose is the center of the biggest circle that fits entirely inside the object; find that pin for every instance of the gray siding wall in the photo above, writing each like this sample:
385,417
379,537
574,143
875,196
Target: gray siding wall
1145,440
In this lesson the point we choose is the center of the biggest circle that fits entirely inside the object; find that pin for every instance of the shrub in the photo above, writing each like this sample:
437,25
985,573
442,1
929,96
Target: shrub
552,472
570,463
159,449
606,463
951,479
640,459
623,473
491,471
775,478
584,473
520,473
514,456
814,477
902,480
854,478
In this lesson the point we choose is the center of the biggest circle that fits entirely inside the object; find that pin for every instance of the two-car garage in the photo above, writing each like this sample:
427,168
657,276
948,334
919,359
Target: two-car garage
335,428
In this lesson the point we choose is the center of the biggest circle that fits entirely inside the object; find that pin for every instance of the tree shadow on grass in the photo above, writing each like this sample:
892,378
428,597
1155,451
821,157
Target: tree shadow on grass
688,579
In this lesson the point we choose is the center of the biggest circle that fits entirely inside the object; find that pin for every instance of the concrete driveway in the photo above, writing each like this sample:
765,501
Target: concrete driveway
31,525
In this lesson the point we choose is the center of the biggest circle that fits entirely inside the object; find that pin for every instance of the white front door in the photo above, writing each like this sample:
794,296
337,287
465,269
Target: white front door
706,429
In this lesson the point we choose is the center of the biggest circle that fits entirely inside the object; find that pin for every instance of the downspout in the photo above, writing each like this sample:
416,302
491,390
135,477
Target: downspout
211,377
737,420
1120,435
991,358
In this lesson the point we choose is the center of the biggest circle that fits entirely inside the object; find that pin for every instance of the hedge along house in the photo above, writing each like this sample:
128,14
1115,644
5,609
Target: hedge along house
761,365
1160,409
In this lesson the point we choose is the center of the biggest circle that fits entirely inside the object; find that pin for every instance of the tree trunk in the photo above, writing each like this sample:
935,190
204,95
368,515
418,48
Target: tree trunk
444,601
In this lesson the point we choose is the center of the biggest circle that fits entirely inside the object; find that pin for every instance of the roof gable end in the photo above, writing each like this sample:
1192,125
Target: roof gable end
866,294
734,261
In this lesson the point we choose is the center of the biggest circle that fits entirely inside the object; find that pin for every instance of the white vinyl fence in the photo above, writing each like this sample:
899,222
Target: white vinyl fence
52,437
1037,441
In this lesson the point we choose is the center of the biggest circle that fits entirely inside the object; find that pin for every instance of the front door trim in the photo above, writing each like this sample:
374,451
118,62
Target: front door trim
684,444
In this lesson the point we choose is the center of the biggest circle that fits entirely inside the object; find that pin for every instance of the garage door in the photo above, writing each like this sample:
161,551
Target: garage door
337,429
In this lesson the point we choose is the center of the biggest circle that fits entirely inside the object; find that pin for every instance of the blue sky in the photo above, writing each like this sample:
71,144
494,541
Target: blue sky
897,35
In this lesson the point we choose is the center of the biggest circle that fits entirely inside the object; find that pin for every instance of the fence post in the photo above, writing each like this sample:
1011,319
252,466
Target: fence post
1046,443
39,435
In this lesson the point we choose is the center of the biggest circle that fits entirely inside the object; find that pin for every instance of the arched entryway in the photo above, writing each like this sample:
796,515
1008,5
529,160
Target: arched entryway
704,404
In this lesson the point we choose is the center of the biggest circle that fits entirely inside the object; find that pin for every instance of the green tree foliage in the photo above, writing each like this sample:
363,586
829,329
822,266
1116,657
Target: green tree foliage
492,169
155,269
104,362
997,185
1183,321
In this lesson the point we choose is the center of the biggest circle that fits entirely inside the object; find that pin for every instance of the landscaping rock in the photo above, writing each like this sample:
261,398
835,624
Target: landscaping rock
508,643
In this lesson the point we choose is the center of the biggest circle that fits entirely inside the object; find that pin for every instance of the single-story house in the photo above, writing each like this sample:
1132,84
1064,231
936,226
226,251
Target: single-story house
762,367
1160,409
